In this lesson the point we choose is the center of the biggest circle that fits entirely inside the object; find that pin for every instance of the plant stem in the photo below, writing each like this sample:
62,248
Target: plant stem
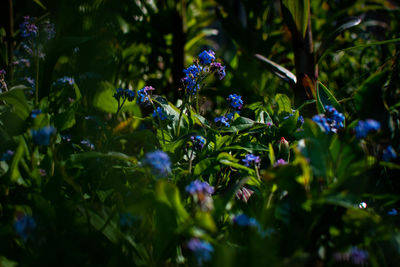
180,115
37,81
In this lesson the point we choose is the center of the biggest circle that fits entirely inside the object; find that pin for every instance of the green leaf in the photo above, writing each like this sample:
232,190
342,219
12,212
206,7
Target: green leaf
278,70
16,97
300,10
40,4
239,124
325,97
169,194
370,44
284,104
64,120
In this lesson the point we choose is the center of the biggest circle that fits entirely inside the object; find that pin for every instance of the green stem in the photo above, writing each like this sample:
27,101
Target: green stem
180,115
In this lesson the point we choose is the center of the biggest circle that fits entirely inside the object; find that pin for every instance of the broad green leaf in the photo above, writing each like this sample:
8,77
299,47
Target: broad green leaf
169,194
239,124
16,97
325,97
284,104
300,10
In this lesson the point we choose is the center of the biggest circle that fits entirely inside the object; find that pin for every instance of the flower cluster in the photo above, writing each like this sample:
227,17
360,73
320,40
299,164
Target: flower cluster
222,120
159,112
198,142
7,156
42,136
65,80
331,121
201,250
363,128
124,94
235,101
251,160
201,193
205,65
280,162
355,255
159,162
25,226
28,28
144,95
389,154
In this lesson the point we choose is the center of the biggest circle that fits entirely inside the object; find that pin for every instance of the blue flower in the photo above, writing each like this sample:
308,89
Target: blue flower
244,221
198,142
7,156
223,120
66,79
235,101
159,162
88,144
144,95
389,154
201,250
35,113
28,28
198,187
42,136
250,159
24,227
159,112
301,120
393,212
331,121
206,57
190,80
364,127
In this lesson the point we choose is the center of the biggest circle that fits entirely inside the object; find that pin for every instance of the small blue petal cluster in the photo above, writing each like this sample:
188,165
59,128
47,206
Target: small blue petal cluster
355,255
301,120
144,95
206,57
191,78
49,29
243,220
198,142
393,212
159,112
88,144
222,120
125,94
389,154
126,220
280,162
201,250
198,187
250,160
24,227
235,101
66,80
35,113
7,156
331,121
28,28
364,127
159,162
42,136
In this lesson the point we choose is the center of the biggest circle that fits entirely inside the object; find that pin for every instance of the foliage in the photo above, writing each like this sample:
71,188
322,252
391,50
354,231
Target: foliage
100,166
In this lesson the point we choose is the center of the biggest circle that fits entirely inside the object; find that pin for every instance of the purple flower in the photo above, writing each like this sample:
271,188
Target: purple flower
364,127
198,142
159,162
201,250
219,70
42,136
235,101
2,72
30,81
206,57
250,159
354,255
28,28
7,156
280,162
223,120
389,154
198,187
144,95
25,226
159,112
